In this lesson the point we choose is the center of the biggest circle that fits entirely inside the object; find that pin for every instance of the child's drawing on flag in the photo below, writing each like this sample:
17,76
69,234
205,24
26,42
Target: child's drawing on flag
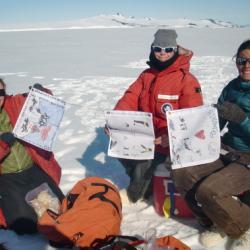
39,119
194,136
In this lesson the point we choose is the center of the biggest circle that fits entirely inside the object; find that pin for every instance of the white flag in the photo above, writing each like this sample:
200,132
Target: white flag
194,136
39,119
131,134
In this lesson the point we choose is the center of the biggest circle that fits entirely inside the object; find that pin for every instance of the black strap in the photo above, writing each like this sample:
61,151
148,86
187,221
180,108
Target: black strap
52,214
123,245
101,196
229,157
121,242
71,198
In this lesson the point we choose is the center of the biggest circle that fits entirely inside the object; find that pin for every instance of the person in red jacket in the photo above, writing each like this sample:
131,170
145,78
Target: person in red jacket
166,85
23,167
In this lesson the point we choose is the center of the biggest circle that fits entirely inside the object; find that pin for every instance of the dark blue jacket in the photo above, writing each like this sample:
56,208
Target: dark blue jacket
238,135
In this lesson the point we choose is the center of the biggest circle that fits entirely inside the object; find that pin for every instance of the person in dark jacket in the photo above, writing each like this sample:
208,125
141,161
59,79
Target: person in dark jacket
221,188
166,85
23,167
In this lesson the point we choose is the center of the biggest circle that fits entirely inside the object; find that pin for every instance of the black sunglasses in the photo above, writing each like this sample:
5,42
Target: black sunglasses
242,60
167,49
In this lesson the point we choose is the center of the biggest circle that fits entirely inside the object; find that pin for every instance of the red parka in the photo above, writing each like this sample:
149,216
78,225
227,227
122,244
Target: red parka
44,159
158,91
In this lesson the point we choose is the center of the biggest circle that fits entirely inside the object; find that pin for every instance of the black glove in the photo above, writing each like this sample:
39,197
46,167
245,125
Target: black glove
231,112
229,157
38,86
8,138
41,88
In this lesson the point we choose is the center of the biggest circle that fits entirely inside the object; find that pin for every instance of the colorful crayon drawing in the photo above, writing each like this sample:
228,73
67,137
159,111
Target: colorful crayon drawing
194,136
131,134
39,119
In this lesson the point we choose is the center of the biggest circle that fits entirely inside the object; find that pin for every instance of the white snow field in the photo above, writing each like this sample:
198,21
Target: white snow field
90,69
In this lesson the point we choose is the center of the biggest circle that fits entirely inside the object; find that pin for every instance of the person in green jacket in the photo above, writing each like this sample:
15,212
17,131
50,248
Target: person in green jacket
23,167
218,192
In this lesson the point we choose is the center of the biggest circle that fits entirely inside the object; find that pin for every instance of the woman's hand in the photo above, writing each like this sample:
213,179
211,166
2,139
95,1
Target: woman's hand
106,130
162,140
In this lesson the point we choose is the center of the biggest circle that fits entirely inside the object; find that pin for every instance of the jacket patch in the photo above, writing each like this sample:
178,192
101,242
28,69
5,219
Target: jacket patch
197,90
166,107
168,97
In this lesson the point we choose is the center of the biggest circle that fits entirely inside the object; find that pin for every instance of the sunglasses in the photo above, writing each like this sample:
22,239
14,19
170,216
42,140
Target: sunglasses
166,50
242,60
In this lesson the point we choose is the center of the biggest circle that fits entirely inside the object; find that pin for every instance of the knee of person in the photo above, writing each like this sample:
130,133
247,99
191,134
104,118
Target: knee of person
204,193
24,226
183,179
177,176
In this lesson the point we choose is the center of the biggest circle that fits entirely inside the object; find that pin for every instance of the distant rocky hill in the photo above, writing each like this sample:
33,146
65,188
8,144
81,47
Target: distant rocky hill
120,21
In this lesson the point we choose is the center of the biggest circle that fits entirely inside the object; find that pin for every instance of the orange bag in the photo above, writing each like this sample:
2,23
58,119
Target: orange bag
171,241
90,213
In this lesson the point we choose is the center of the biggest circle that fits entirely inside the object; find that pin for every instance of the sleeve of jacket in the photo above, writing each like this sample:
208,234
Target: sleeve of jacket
191,95
221,99
245,127
129,100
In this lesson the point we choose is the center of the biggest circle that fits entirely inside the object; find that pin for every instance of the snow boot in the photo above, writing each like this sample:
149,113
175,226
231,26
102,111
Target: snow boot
212,237
140,180
243,243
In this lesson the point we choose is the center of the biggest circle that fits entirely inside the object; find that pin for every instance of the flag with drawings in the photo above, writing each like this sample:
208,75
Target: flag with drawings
39,119
131,134
194,136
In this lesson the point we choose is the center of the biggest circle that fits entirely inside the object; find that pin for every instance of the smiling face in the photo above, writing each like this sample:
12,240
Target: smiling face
163,56
244,69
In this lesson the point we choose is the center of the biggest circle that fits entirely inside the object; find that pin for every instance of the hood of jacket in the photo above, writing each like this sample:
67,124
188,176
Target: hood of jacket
182,62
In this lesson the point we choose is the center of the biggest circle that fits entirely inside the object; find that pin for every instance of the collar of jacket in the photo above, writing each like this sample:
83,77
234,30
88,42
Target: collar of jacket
181,63
158,65
241,85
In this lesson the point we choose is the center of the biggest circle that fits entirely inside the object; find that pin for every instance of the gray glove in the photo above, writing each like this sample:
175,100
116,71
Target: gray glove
231,112
8,138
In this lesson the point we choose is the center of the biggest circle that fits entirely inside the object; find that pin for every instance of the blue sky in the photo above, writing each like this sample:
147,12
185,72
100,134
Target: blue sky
16,11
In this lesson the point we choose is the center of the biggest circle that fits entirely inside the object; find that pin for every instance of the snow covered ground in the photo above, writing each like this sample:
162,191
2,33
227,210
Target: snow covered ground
90,69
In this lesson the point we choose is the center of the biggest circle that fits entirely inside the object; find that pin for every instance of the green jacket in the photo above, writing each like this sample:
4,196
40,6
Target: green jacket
18,159
238,135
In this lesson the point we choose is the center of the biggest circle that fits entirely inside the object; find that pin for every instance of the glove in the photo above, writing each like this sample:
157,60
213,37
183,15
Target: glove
38,86
231,112
41,88
229,158
8,138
